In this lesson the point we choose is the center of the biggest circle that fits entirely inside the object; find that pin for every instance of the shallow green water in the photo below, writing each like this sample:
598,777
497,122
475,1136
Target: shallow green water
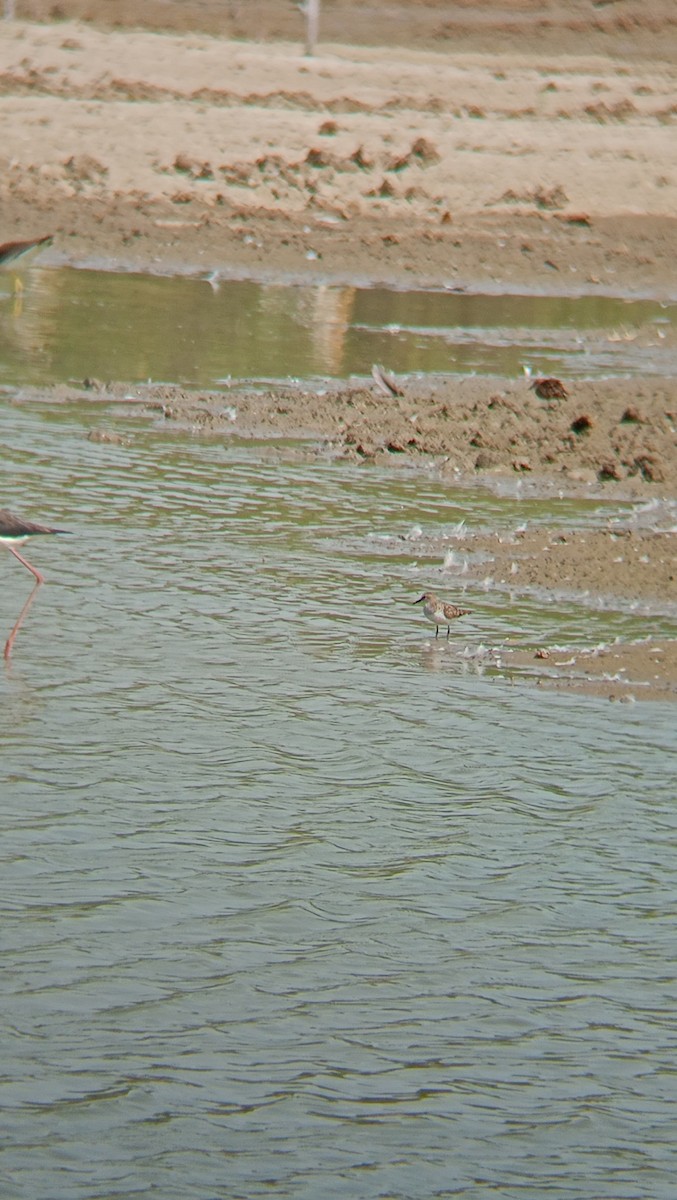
296,902
76,324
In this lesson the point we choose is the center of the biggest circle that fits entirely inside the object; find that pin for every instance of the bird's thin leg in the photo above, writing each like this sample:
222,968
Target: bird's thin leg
21,618
33,570
437,630
448,631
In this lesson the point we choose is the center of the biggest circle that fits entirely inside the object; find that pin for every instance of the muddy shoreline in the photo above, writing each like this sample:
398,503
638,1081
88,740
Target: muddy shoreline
627,563
546,166
366,163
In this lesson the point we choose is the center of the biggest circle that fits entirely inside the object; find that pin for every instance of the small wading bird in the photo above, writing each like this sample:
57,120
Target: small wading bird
14,532
386,382
440,613
17,256
549,389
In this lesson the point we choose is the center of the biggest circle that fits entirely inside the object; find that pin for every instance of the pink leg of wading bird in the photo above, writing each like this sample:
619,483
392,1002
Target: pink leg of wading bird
13,532
19,622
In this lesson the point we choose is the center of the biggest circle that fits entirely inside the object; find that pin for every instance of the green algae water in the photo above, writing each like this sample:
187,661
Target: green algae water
71,325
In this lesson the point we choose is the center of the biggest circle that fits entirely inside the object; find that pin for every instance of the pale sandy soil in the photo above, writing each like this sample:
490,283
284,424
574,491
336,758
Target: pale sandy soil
521,168
528,146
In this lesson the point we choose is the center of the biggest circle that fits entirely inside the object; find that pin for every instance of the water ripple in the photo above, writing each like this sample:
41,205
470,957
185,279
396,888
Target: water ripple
286,910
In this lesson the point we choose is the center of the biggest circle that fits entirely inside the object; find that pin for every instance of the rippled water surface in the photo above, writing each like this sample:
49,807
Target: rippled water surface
297,902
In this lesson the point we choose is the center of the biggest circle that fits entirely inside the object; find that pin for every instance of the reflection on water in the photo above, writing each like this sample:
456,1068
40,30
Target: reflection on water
295,903
75,324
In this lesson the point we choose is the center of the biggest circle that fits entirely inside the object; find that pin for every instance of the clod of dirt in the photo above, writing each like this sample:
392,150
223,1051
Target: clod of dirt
85,168
609,470
582,423
632,414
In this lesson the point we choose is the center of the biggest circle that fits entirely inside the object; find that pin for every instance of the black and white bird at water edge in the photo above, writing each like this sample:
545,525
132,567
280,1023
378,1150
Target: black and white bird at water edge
14,531
16,257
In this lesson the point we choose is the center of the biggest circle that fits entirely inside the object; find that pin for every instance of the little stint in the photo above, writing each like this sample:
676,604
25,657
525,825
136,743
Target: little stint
440,613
